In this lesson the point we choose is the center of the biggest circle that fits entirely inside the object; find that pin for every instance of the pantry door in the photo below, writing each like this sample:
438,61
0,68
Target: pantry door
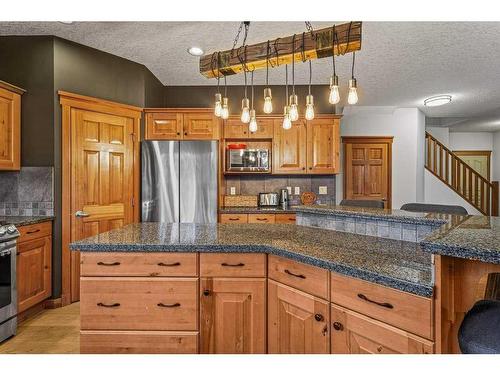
101,185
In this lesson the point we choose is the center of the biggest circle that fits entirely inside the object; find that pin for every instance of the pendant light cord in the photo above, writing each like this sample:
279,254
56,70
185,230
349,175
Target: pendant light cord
286,83
353,59
334,38
267,64
225,87
252,86
293,65
310,76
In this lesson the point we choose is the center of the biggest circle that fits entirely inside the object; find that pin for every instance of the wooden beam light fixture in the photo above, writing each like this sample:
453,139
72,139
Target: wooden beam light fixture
315,44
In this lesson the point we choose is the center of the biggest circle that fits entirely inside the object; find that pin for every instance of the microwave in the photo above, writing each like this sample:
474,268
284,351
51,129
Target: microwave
248,160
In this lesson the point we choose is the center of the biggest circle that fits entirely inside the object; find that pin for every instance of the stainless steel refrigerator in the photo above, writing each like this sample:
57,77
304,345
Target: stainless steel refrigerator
179,181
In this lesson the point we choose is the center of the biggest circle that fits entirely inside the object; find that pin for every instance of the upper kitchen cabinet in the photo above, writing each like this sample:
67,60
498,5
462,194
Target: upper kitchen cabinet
235,129
289,148
10,126
178,124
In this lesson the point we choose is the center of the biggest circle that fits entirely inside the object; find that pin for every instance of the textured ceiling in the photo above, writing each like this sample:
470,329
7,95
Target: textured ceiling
400,63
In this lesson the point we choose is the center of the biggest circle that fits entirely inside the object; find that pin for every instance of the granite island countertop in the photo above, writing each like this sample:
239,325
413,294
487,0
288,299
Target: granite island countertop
19,221
397,264
257,210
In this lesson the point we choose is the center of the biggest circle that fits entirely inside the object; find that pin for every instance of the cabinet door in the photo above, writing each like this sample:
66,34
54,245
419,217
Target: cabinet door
323,142
10,130
164,126
200,126
298,322
265,129
34,259
233,315
234,128
353,333
289,152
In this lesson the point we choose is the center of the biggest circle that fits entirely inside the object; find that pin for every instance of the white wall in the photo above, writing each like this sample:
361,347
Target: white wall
471,141
442,134
436,192
407,126
495,162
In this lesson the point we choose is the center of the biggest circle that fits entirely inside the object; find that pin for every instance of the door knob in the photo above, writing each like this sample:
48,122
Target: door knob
81,214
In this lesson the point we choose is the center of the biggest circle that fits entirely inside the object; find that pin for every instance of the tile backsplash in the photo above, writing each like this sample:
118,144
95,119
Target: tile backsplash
255,184
29,192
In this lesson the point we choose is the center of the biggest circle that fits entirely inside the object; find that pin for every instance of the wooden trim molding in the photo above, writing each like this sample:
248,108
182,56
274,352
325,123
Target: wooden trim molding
68,102
369,139
12,88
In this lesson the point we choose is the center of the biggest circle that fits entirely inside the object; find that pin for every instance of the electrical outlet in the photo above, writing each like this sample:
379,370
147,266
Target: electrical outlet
323,190
233,190
297,190
289,188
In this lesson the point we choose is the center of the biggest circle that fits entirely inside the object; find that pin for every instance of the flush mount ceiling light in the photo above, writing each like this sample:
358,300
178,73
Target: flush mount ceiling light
66,22
195,51
436,101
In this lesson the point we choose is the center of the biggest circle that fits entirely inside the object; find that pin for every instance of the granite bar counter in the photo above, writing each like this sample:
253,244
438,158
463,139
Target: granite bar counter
19,221
257,210
397,264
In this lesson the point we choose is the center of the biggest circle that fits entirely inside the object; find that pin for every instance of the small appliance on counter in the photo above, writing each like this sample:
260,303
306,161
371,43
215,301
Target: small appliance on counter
8,288
268,199
284,198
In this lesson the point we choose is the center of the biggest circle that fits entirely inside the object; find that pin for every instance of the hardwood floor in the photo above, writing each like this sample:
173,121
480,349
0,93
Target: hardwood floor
53,331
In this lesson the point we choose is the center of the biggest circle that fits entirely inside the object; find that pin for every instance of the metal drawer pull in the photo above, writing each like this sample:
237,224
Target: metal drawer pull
104,305
382,304
260,219
161,304
234,219
232,265
294,274
169,264
33,231
108,264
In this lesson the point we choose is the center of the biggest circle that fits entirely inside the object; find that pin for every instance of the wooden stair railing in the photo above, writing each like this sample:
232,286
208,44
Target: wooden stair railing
460,177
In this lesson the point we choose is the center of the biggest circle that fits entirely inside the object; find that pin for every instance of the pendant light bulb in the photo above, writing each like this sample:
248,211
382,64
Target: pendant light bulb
224,113
353,92
218,104
309,107
253,122
268,101
245,111
334,97
294,110
287,122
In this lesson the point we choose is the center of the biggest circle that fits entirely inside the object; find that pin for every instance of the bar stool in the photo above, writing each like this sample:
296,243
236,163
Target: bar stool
479,332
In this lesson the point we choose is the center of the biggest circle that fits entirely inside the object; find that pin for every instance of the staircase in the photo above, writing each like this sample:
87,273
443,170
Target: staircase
460,177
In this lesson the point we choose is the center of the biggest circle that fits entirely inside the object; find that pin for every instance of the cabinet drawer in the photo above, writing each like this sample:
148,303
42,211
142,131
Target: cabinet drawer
138,342
233,218
33,231
353,333
233,265
400,309
285,219
261,218
139,264
302,276
140,303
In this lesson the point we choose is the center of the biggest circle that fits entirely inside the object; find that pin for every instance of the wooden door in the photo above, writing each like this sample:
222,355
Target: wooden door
234,128
367,169
200,126
233,315
102,178
34,263
298,322
163,126
10,130
353,333
323,142
289,151
265,129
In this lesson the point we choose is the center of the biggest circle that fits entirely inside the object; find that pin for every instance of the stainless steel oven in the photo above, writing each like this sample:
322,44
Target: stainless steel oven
247,160
8,291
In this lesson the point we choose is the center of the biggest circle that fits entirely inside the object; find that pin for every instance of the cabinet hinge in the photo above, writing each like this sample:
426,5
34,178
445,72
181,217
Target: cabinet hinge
132,201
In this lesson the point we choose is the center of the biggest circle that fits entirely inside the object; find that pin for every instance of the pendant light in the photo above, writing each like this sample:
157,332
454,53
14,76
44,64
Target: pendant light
252,127
294,101
309,98
287,122
224,113
334,97
268,98
245,103
353,85
218,96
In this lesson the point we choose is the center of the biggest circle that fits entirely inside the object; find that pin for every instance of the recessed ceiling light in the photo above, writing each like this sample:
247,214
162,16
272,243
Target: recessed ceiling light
435,101
195,51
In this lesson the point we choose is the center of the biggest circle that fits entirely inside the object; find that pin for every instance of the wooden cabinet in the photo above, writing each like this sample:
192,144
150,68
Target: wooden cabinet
34,265
233,315
10,126
298,322
233,218
285,219
181,124
353,333
278,218
289,148
261,218
235,129
323,146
